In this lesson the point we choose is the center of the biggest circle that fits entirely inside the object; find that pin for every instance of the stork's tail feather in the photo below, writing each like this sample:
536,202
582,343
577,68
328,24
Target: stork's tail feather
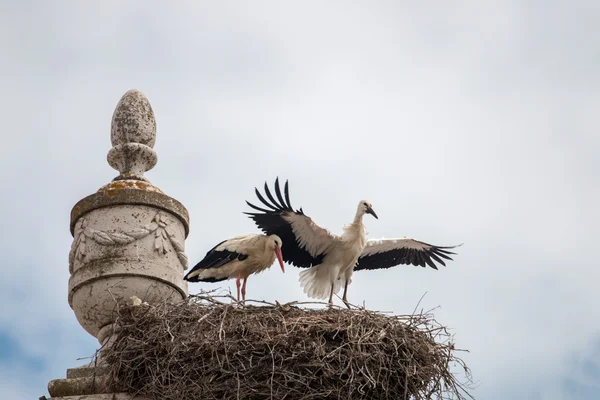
209,280
199,276
316,282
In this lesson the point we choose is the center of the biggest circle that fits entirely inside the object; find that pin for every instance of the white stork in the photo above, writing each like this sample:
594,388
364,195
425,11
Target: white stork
238,258
331,259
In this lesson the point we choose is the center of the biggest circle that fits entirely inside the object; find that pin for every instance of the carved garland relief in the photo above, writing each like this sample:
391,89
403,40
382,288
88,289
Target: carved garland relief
158,226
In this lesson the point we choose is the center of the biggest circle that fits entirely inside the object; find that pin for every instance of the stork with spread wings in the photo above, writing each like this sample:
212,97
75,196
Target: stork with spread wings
331,259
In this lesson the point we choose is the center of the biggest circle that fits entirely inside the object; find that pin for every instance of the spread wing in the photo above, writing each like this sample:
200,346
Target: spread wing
304,243
387,253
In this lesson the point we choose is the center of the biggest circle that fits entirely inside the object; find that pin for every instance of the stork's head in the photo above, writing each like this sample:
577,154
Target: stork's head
276,244
365,207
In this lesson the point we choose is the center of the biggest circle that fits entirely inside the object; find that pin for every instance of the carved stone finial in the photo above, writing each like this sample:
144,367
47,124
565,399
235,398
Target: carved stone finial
128,244
129,237
133,134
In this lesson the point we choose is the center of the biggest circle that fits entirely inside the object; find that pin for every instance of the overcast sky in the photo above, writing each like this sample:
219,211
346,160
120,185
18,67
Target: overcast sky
475,122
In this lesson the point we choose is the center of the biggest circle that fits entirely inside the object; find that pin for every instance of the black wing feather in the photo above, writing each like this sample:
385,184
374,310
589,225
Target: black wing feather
436,258
270,196
256,208
262,200
272,223
278,193
286,189
406,256
214,259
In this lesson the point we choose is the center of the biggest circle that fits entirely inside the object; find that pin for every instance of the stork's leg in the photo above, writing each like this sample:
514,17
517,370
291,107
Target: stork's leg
331,296
244,289
237,283
345,299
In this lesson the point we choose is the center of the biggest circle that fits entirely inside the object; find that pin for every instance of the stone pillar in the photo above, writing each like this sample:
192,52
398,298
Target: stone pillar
128,240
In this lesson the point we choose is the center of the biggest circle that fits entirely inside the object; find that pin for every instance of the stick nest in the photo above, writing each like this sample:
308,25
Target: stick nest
207,348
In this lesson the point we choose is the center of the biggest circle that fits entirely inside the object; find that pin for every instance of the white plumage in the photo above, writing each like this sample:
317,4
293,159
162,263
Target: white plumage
341,253
331,259
238,258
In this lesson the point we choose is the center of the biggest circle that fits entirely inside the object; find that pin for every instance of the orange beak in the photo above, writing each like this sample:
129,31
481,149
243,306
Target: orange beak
279,258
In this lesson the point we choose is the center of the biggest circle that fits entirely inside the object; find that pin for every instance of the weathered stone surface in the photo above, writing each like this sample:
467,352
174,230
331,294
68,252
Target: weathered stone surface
131,193
133,120
132,160
111,396
78,386
129,237
133,134
122,251
128,240
105,396
84,372
86,383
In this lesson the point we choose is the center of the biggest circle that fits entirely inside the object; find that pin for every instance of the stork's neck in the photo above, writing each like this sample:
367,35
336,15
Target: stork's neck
356,228
358,218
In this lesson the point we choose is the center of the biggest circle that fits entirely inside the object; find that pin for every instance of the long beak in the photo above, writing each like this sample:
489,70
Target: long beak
279,258
370,211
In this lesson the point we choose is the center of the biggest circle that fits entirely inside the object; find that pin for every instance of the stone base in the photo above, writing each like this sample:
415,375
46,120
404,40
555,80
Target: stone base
105,396
85,383
86,371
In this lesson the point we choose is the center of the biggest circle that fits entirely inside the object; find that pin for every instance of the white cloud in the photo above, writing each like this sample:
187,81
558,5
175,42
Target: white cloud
468,122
